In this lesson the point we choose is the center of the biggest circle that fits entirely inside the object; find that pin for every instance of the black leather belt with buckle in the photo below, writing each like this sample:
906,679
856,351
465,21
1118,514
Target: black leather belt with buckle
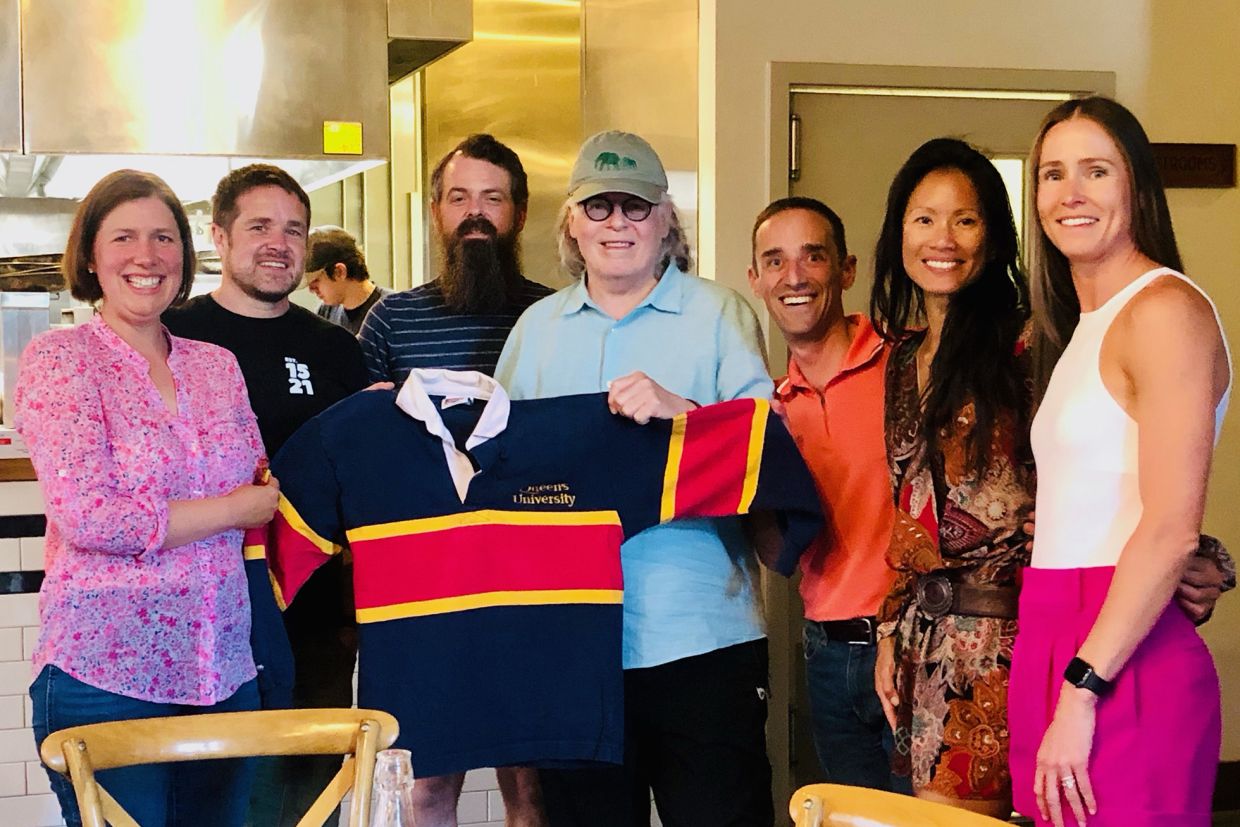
938,595
856,630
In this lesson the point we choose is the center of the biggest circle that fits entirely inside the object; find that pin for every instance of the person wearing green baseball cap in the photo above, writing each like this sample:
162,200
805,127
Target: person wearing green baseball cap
660,341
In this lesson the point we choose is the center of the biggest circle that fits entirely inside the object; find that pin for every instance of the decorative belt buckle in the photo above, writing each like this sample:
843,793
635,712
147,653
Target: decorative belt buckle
934,595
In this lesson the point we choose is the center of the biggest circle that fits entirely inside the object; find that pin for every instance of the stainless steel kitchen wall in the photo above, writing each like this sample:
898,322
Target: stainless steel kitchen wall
232,77
10,77
420,31
519,79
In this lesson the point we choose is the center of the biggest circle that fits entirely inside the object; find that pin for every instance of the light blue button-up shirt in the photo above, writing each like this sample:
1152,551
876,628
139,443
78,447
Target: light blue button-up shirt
689,587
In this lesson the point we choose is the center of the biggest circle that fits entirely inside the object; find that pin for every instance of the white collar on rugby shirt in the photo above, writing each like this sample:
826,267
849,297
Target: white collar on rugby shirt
414,399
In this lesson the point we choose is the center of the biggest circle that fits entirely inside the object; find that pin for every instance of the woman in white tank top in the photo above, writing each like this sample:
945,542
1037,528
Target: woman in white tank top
1114,701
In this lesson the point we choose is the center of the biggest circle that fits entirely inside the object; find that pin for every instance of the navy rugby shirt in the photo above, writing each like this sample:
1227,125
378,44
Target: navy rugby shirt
486,545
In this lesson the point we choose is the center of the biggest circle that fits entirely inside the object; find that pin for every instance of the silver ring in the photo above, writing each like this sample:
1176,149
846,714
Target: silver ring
1069,782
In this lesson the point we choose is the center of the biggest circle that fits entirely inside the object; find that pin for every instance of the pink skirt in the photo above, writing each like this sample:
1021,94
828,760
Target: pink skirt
1156,746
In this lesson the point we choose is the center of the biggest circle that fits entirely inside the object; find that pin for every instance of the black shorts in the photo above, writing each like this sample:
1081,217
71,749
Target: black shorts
695,735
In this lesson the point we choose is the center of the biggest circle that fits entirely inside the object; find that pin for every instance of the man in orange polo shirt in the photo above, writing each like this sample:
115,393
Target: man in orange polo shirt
832,401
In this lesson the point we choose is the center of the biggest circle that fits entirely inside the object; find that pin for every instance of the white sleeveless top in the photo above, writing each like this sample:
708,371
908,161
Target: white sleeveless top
1085,446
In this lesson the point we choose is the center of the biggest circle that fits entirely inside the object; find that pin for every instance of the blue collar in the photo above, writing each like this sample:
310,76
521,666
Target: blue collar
667,295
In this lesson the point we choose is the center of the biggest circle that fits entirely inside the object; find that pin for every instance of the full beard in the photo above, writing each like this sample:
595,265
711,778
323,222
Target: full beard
479,275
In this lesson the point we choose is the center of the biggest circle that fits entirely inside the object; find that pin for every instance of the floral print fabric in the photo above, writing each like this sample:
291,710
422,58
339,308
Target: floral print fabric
952,671
118,610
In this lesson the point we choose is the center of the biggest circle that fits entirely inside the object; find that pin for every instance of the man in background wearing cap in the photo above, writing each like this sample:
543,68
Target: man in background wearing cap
458,321
661,342
336,272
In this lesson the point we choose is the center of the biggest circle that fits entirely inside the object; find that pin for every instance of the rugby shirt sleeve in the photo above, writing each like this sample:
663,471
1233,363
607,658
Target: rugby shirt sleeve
737,458
306,530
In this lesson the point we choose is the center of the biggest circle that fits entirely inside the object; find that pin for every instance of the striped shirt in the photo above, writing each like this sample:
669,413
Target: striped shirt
413,329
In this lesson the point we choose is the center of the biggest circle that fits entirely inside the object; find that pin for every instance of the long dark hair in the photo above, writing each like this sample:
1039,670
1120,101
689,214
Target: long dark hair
975,360
1055,303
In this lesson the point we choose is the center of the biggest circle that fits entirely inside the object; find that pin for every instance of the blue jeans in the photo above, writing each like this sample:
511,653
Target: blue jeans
851,734
204,793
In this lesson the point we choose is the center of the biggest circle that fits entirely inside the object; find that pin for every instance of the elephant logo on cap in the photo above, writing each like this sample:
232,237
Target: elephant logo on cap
610,160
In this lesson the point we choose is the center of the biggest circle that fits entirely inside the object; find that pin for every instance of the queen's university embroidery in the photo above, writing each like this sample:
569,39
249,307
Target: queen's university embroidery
498,558
713,460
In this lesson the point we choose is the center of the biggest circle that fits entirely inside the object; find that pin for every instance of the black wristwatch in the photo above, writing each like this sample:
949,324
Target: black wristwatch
1081,675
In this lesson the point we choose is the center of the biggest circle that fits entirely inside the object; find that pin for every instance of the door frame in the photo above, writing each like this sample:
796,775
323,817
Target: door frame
785,79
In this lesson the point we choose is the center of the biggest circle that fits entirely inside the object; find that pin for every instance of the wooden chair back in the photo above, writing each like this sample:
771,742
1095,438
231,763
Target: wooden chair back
837,805
79,752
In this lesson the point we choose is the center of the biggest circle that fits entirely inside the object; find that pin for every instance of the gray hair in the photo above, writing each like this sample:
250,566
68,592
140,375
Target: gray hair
675,245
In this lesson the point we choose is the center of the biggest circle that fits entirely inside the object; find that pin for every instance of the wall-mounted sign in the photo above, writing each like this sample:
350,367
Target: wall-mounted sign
342,137
1196,165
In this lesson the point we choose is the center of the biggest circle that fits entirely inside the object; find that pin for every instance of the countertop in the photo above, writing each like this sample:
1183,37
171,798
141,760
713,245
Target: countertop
15,470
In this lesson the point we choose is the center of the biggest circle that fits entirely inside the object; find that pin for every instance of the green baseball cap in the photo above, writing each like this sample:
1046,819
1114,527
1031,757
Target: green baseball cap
617,162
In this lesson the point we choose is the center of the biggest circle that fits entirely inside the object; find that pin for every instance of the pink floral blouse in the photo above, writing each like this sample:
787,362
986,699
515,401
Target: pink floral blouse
118,610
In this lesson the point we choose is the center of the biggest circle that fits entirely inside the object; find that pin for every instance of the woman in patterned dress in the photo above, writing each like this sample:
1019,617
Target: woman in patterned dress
951,298
145,448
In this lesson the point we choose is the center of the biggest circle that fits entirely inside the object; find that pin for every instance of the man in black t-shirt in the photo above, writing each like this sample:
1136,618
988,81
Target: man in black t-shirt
295,365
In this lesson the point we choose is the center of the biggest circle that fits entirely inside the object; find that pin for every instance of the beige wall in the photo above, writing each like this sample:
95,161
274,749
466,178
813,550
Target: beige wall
647,45
1165,54
1184,52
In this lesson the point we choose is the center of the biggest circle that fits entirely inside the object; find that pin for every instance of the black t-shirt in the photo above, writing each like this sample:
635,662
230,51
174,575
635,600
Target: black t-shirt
295,365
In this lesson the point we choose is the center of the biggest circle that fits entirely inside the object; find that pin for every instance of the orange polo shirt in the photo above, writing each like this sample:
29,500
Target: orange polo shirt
844,574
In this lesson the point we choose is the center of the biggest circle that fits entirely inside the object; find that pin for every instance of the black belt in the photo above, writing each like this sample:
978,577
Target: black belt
857,630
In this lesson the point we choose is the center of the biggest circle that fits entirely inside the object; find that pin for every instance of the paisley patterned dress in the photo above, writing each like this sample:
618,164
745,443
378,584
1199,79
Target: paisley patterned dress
952,670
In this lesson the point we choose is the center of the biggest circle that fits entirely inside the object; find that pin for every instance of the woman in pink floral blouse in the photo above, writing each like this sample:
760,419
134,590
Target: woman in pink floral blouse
145,449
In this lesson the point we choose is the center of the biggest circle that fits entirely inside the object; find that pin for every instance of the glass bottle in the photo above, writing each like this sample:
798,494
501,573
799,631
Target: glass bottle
391,800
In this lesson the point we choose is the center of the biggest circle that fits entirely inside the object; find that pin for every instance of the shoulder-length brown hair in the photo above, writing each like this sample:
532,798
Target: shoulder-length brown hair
114,189
1055,304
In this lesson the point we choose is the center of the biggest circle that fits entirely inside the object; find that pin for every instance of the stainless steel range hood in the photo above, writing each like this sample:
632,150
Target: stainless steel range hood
86,85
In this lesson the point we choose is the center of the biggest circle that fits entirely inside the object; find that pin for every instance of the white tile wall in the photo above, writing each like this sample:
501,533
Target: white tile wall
15,676
32,811
10,643
12,712
31,554
12,779
10,554
21,498
19,610
36,778
481,804
25,796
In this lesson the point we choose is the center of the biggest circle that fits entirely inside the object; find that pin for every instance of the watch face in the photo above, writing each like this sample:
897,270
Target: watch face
1078,672
1081,674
